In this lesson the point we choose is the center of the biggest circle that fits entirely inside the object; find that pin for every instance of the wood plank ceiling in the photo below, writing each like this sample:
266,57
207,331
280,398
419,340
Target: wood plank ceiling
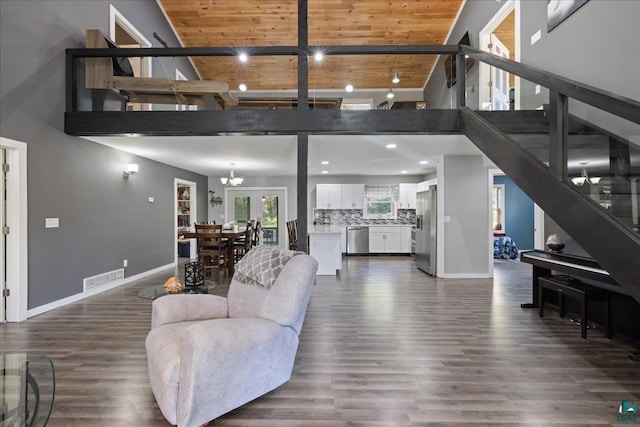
222,23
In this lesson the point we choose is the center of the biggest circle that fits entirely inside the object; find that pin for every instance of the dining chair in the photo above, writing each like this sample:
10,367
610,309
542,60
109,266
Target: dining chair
242,245
211,250
257,232
292,230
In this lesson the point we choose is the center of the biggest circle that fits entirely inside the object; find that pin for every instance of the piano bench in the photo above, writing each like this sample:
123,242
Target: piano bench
582,292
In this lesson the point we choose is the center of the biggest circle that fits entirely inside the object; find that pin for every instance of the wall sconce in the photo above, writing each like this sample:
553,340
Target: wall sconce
215,201
130,169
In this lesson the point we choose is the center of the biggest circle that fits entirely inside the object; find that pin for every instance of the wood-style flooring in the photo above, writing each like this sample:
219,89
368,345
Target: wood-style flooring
383,344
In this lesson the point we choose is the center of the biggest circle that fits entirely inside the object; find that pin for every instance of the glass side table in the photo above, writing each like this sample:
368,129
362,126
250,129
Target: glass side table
27,387
153,292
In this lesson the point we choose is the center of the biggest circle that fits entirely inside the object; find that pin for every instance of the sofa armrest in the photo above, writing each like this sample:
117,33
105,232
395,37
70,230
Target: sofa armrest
187,307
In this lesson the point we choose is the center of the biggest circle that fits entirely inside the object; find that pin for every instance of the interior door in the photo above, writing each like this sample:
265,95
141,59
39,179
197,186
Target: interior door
499,78
266,205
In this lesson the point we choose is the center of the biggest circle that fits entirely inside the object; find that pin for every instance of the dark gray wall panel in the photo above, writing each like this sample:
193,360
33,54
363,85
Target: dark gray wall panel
104,218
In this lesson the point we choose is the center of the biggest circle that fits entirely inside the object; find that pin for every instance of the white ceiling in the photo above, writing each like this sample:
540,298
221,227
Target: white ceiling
276,155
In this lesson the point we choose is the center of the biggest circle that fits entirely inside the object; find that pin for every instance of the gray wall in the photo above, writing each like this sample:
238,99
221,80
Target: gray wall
104,218
466,201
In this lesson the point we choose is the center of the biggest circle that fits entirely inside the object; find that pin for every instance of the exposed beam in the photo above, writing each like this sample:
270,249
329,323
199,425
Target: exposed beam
260,122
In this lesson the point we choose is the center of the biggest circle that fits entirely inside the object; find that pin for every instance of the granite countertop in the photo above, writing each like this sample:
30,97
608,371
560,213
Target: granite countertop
337,228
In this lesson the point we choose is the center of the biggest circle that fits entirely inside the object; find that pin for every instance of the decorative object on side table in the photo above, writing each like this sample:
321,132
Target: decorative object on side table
173,286
193,274
554,243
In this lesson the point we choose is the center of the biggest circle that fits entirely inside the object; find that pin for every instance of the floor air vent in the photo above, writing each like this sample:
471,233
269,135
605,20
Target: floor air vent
94,282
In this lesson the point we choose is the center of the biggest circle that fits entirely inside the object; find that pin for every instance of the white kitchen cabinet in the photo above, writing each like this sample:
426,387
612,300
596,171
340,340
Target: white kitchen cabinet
407,196
328,196
352,196
383,240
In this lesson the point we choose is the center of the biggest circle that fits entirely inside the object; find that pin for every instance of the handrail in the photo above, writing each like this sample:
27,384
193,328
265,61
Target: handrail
618,105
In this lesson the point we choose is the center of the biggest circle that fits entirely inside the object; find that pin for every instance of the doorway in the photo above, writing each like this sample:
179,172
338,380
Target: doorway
124,34
185,215
501,36
267,205
13,246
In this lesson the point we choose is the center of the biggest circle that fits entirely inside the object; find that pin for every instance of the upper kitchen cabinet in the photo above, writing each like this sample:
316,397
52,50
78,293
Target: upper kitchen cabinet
353,196
328,196
407,196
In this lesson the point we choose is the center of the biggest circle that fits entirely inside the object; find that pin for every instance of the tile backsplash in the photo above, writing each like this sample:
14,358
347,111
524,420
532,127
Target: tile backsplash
354,217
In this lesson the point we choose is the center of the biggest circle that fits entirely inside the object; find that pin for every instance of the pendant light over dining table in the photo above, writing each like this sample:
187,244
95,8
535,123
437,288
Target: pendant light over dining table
231,180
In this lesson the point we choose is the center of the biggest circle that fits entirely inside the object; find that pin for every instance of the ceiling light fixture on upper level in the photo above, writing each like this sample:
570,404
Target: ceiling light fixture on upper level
232,180
324,162
318,56
396,79
424,162
584,177
325,172
390,94
242,87
391,146
404,172
243,57
348,88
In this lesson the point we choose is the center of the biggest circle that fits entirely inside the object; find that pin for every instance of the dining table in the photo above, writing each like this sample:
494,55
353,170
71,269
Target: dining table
230,235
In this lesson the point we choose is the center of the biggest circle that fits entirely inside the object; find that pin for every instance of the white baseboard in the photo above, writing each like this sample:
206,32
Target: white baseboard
82,295
466,276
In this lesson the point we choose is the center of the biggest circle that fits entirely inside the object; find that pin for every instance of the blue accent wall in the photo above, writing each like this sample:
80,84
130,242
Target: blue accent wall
519,213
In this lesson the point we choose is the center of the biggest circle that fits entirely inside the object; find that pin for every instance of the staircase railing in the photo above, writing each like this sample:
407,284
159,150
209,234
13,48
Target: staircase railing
614,243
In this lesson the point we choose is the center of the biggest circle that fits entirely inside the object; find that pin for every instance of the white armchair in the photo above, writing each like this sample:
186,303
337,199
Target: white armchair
208,355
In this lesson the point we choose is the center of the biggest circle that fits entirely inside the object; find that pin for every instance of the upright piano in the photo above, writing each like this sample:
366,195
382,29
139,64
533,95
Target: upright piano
544,262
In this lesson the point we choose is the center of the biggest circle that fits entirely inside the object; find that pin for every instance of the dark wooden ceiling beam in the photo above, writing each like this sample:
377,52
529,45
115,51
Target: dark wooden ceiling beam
260,122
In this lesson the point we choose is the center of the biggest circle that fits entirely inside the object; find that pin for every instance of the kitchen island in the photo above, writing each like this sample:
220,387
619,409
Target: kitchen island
324,246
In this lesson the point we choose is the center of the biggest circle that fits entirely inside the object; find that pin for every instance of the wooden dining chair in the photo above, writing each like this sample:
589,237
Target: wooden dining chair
211,250
292,231
242,245
255,236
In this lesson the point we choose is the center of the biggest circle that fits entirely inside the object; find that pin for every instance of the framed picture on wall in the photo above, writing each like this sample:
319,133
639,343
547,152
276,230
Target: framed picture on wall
559,10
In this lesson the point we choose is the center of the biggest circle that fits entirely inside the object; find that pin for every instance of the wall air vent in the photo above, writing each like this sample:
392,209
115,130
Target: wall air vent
100,280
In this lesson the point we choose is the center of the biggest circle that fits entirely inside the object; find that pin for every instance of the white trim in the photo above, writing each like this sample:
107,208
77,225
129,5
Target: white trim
193,212
446,41
483,41
538,227
466,276
491,173
82,295
17,220
116,17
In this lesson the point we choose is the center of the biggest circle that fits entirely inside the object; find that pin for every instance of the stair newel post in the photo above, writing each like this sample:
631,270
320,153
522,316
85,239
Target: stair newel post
558,134
460,79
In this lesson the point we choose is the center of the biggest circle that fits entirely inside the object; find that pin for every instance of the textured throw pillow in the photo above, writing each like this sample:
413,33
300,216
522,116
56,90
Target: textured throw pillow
262,264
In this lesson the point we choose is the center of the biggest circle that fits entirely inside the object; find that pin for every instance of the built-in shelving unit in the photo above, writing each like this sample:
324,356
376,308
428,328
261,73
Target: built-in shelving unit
184,208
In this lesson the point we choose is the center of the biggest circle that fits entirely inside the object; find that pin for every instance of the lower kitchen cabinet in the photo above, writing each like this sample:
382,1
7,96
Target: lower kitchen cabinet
384,240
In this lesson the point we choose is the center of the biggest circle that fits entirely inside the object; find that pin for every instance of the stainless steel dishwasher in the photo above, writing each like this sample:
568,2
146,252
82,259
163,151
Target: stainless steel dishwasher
357,240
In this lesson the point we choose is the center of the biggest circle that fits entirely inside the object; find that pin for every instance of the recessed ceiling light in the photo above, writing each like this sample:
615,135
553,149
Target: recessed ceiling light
348,88
391,145
424,162
243,57
242,87
324,162
403,172
324,172
318,56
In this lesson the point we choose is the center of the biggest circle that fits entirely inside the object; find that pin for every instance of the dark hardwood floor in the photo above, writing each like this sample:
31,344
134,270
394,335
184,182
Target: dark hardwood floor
383,344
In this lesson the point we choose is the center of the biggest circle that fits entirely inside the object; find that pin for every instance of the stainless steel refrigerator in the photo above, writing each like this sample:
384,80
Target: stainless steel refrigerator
426,230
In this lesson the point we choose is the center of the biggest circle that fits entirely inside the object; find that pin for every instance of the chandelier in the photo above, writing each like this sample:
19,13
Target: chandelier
584,177
231,180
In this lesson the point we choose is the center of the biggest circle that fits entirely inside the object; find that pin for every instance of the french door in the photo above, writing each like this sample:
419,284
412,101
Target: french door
267,205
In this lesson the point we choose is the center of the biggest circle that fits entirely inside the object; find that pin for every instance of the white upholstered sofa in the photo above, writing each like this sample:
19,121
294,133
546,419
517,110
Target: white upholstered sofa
208,355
